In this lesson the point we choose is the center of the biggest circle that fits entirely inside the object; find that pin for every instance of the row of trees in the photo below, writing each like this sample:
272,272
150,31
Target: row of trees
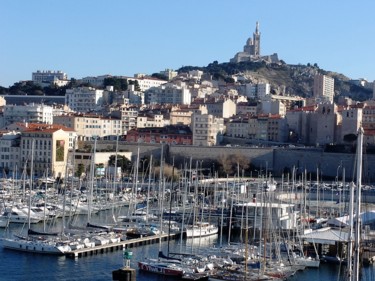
225,165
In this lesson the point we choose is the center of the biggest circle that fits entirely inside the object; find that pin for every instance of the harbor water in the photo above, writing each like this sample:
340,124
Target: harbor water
20,266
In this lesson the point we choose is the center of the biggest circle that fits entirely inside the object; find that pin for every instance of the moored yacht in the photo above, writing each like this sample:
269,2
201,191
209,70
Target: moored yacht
43,246
16,215
201,229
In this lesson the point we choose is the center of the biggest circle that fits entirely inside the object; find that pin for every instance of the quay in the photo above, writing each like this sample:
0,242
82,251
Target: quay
120,245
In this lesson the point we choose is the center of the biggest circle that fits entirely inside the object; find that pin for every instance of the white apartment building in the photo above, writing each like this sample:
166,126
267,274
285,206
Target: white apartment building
263,90
290,102
127,114
84,99
206,129
238,128
222,108
146,82
168,94
257,91
33,113
196,74
151,121
169,73
48,76
129,96
95,81
10,152
89,126
202,90
324,88
248,108
273,107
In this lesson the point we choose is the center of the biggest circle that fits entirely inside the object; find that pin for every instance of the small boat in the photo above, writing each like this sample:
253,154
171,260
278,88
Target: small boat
307,261
41,233
142,231
201,229
100,240
76,245
160,267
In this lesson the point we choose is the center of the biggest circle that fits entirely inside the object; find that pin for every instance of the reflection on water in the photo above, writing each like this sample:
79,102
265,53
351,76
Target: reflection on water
207,241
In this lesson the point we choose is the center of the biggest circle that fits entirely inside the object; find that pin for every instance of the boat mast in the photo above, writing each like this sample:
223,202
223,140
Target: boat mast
170,207
31,182
115,180
357,234
92,177
148,188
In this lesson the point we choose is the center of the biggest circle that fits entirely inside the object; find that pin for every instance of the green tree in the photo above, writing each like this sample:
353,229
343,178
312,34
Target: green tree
123,162
136,85
80,170
119,84
159,76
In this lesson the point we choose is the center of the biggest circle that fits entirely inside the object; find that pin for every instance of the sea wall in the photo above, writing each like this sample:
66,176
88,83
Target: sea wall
273,159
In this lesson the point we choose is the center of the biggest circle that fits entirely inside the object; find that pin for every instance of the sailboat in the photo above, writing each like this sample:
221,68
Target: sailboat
200,228
162,265
33,244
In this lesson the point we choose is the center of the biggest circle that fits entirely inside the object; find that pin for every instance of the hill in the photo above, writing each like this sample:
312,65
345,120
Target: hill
284,78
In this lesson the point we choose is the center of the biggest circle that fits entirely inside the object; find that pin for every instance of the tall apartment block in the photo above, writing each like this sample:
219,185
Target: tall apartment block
324,88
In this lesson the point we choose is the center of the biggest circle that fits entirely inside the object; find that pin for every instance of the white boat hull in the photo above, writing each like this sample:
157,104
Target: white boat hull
34,246
308,262
201,230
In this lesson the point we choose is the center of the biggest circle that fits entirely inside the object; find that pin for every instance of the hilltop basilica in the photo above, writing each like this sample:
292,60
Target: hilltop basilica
251,51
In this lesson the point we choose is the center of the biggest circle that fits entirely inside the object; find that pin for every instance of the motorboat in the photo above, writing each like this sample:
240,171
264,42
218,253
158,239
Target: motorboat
200,229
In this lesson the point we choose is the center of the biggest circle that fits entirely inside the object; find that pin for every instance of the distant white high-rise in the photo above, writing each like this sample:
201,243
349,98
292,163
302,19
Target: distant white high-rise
324,88
48,76
84,99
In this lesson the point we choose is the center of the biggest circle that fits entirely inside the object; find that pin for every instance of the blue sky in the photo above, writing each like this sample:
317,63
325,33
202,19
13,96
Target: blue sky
119,37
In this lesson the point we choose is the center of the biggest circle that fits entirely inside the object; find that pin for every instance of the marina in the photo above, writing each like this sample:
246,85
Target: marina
221,238
263,228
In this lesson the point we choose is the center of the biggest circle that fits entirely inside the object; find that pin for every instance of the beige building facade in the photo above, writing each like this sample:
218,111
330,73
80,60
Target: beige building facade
206,129
45,150
89,126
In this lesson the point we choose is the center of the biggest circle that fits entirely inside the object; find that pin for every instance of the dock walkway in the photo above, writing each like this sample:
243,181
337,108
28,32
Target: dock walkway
119,245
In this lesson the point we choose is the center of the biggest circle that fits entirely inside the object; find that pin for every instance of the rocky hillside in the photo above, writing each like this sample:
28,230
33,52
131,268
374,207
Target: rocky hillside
284,78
